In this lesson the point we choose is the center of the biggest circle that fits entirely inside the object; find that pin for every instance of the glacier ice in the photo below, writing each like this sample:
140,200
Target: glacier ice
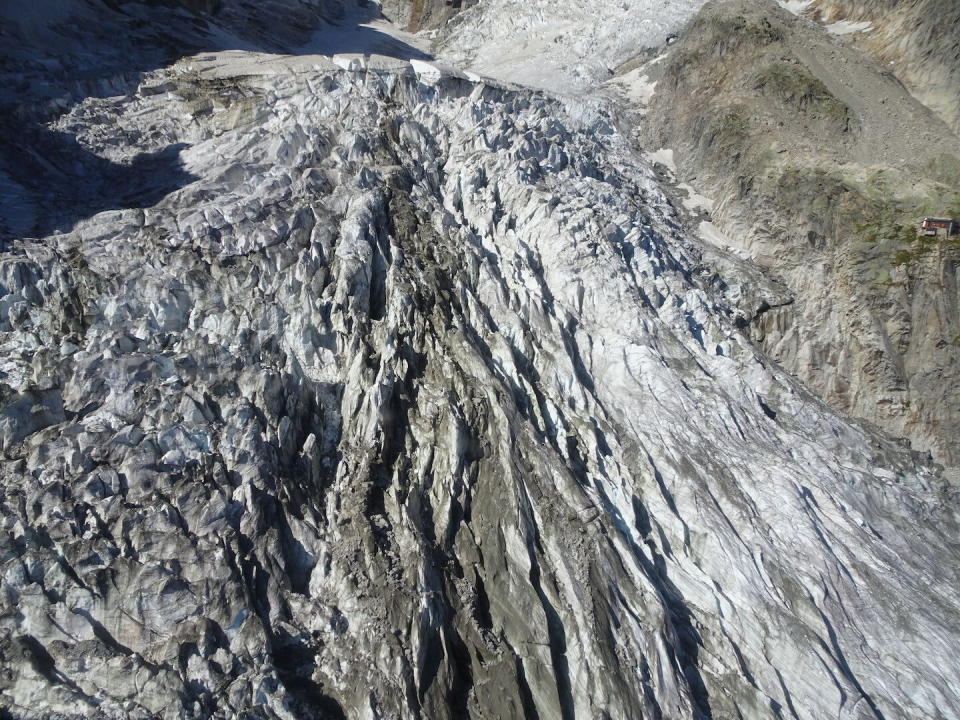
413,397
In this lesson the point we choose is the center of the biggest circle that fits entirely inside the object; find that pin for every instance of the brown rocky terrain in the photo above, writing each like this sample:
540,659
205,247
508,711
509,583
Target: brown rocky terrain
417,15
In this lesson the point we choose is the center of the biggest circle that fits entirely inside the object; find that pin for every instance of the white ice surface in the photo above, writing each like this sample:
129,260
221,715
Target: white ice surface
797,7
542,204
562,45
664,156
848,27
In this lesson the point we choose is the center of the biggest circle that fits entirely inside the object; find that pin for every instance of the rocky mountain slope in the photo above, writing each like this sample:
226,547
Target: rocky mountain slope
820,165
919,41
391,392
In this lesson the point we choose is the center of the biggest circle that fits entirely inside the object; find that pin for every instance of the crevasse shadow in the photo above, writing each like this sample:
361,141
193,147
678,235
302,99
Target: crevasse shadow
66,183
359,38
83,48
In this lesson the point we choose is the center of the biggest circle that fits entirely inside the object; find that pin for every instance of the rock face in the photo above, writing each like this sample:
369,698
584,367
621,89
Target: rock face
821,165
409,397
427,14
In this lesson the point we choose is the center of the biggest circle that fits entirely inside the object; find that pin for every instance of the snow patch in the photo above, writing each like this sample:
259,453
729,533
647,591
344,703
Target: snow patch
664,156
848,27
797,7
636,86
694,200
713,235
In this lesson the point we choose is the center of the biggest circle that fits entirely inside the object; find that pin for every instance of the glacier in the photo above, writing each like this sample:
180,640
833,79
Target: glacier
387,390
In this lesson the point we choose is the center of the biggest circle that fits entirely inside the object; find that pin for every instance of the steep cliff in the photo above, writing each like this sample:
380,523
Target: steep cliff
419,15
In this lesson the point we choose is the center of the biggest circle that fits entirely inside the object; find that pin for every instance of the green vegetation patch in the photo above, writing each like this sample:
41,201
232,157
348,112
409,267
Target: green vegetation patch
875,231
868,214
682,66
794,86
717,35
732,126
945,168
726,136
827,195
726,34
895,220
